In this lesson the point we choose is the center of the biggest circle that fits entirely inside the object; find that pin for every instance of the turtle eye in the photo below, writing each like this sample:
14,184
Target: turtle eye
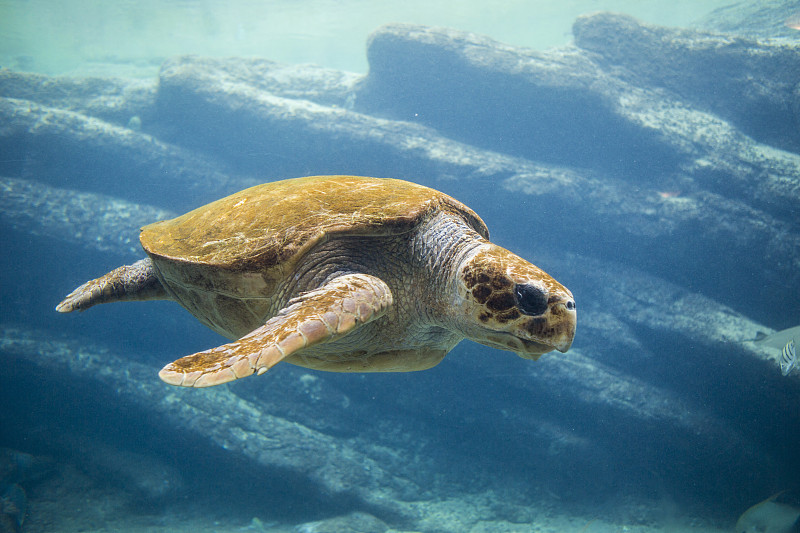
531,300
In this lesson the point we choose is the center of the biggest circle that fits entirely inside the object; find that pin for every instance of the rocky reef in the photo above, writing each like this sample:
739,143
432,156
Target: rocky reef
655,171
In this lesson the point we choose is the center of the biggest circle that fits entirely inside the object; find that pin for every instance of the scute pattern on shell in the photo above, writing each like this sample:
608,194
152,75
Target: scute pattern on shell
274,223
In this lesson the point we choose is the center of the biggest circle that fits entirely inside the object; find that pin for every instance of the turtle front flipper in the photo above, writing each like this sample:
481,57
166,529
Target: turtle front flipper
322,315
126,283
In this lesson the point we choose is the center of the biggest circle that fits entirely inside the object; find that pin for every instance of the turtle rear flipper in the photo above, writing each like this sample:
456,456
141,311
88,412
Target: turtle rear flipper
322,315
126,283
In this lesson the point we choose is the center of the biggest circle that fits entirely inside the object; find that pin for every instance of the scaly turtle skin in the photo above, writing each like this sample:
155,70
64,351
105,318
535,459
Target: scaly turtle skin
338,273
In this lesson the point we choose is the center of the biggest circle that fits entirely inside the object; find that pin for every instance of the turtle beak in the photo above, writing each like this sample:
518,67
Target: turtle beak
560,326
565,310
564,345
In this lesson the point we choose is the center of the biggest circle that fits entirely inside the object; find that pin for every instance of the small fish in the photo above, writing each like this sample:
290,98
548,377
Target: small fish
769,517
793,22
789,358
783,340
779,338
669,194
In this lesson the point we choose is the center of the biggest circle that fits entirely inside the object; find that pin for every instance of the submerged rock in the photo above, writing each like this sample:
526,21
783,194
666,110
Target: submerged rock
65,148
275,137
352,523
94,221
745,81
324,86
113,100
766,19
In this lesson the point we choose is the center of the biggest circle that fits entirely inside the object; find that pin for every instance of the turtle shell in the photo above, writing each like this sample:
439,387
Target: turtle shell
243,245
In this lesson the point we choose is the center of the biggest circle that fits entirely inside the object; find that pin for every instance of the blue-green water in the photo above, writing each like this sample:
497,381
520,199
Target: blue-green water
659,182
87,36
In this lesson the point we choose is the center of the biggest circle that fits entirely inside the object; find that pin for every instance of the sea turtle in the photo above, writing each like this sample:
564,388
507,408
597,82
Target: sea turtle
339,273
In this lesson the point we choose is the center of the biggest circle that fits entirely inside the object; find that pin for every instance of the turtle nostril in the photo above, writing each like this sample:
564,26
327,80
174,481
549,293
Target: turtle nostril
570,305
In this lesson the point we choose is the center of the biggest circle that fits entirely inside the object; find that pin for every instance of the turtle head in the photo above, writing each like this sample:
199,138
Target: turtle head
511,304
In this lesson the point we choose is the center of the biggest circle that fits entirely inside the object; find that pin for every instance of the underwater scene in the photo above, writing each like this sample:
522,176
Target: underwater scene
568,302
